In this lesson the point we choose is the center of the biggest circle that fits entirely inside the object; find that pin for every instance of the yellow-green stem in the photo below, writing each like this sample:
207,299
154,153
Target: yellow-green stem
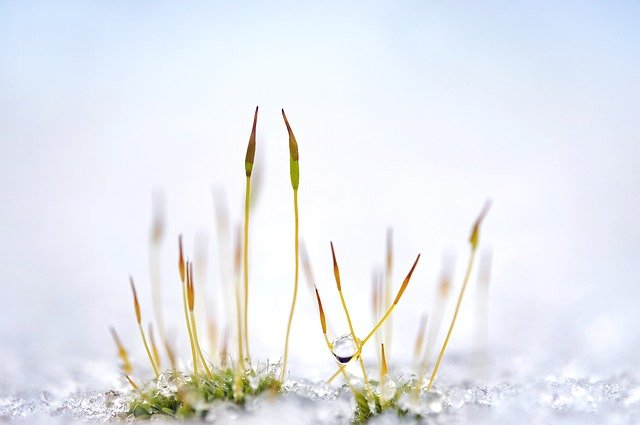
189,330
355,338
239,320
197,344
364,341
295,284
247,196
381,321
455,316
146,347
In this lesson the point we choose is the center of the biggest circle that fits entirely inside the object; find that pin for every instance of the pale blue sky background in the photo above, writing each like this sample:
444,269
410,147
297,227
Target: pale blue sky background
408,114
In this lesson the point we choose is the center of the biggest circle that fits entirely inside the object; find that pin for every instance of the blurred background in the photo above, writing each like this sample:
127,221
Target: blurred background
408,115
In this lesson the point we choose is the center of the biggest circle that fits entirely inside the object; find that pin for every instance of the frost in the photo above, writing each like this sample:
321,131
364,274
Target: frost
549,399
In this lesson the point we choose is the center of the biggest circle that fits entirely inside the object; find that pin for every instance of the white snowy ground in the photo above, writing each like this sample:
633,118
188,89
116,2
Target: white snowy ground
517,391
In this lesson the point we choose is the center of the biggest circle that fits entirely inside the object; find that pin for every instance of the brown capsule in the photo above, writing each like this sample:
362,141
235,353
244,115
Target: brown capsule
251,147
181,260
190,291
323,321
383,368
336,270
406,280
293,144
135,300
475,231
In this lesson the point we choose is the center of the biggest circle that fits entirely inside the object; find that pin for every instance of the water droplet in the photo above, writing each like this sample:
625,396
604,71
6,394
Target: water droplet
344,348
388,390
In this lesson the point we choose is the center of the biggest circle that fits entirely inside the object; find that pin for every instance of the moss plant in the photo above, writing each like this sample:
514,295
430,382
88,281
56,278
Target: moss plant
294,170
221,378
371,403
474,239
373,398
248,166
187,395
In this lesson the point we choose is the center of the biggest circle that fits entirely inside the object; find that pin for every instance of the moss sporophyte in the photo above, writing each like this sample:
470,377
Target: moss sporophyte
218,376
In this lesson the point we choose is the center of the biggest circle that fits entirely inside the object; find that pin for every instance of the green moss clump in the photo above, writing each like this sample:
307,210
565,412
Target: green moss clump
377,399
185,396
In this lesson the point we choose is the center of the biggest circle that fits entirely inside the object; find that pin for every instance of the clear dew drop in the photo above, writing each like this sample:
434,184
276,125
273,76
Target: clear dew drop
344,348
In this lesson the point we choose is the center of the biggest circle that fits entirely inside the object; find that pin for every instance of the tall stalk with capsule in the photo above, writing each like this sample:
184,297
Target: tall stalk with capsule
248,167
474,239
136,306
294,170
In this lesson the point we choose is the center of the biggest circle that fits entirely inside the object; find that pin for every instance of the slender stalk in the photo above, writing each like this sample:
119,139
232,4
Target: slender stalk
294,170
183,278
239,370
248,164
133,384
453,320
237,259
381,321
122,352
323,323
336,273
191,299
311,282
139,320
442,296
473,240
384,370
245,264
295,285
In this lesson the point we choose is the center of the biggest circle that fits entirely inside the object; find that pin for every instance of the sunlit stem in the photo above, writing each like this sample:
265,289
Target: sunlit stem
355,338
136,306
191,298
133,384
443,292
245,264
384,370
189,330
146,347
295,282
122,352
323,323
197,344
455,317
336,273
238,297
381,321
473,240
